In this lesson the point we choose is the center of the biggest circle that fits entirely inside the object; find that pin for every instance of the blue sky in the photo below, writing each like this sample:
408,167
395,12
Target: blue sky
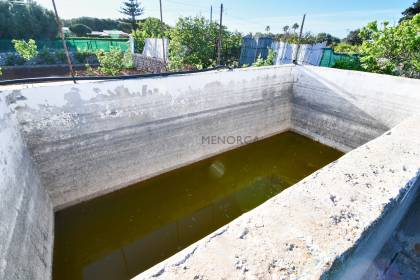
332,16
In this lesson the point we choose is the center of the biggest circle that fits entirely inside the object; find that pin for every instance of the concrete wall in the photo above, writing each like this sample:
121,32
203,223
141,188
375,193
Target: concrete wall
90,139
26,216
345,109
312,229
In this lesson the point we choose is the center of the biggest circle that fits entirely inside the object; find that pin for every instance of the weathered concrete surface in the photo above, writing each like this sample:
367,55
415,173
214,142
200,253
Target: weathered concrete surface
303,231
91,139
400,257
26,215
345,109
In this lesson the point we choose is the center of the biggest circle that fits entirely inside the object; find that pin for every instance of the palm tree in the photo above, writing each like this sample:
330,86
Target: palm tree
267,29
286,29
295,27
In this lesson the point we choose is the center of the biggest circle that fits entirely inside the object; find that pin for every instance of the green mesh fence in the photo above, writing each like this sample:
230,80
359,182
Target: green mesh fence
85,44
329,57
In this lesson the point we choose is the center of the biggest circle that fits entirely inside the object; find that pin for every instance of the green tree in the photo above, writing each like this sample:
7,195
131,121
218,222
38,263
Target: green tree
80,29
392,50
26,50
411,11
325,37
347,48
132,9
353,38
193,44
99,24
295,27
149,28
26,21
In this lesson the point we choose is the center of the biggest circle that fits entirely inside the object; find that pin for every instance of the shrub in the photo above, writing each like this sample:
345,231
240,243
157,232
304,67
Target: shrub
193,44
80,29
26,21
82,56
12,59
347,48
266,62
392,49
89,70
60,56
26,50
112,62
348,64
148,28
46,57
128,61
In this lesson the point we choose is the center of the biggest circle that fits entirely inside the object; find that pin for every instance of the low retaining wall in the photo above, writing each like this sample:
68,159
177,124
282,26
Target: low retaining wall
36,71
89,139
26,216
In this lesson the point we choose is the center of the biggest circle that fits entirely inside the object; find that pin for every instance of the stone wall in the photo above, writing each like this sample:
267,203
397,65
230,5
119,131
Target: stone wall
148,64
26,215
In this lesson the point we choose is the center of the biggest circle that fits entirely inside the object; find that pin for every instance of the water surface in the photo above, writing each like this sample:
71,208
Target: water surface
119,235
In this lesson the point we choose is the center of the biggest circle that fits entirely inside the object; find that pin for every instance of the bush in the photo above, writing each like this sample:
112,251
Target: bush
26,21
193,44
26,50
266,62
83,56
80,29
46,57
128,61
348,64
148,28
60,56
347,48
99,24
111,63
392,50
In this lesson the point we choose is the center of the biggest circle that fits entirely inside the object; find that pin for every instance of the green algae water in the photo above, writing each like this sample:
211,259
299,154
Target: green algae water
119,235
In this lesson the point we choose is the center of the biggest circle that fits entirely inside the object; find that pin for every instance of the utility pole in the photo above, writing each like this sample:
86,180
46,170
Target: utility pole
163,30
211,13
60,28
219,42
300,38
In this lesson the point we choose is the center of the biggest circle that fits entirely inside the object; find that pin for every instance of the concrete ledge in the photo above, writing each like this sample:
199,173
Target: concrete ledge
301,232
26,215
